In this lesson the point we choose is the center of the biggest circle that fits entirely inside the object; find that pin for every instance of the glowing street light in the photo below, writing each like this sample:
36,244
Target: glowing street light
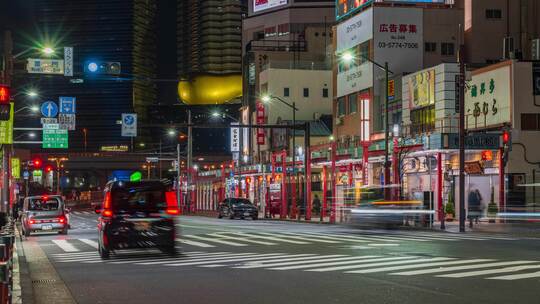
171,132
347,57
266,98
32,134
48,51
32,93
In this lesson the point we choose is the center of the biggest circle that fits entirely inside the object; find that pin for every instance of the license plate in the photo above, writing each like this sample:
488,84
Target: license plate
247,214
46,227
142,226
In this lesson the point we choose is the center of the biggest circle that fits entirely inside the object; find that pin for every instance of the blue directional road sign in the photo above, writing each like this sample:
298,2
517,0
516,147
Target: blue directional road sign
67,105
49,109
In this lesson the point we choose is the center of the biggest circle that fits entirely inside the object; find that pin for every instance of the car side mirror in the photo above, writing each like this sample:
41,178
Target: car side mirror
97,210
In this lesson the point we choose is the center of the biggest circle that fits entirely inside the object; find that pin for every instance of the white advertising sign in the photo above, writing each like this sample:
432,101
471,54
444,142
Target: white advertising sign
354,31
398,39
45,66
129,125
235,138
355,79
488,98
260,5
68,61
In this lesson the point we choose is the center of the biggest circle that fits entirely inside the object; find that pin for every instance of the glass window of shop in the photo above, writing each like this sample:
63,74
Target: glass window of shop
341,107
353,103
423,120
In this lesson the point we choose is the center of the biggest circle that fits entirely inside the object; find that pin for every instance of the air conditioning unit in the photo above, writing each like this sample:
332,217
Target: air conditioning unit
508,47
339,121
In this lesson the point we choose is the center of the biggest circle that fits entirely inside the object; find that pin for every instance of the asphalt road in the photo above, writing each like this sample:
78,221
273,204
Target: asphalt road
244,261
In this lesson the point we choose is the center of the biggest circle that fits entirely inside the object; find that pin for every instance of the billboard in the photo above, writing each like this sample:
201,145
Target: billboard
346,7
398,39
488,97
421,89
45,66
261,5
354,31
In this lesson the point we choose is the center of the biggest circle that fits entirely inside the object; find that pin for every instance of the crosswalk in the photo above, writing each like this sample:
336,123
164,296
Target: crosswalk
81,212
244,239
393,265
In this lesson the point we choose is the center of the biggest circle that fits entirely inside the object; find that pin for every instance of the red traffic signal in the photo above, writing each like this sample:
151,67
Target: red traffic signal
4,94
49,168
37,163
505,137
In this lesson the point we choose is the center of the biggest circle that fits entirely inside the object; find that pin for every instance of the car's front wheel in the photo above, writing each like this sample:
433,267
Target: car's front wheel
219,215
103,253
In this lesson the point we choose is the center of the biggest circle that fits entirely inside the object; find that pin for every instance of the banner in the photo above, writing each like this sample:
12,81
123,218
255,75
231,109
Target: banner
6,129
355,31
421,89
235,138
260,5
45,66
15,168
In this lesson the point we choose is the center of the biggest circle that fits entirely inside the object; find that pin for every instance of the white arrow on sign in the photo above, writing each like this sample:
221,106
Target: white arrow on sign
49,109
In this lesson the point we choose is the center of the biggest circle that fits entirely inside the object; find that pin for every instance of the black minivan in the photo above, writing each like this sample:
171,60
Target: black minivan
137,215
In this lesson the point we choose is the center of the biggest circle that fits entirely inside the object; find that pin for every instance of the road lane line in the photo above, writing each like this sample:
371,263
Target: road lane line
195,243
64,245
90,242
207,258
265,264
202,238
251,257
489,271
165,258
517,276
448,269
329,237
301,238
394,268
326,269
271,238
246,239
365,238
325,262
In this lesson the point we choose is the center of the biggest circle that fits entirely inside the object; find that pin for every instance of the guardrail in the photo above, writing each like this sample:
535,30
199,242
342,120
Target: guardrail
7,240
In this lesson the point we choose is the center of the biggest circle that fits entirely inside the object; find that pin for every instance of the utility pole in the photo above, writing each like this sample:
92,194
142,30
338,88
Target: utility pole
189,159
7,72
386,130
462,134
178,175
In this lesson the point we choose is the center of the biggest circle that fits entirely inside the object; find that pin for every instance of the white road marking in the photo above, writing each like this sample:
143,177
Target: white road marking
517,276
448,269
489,271
401,262
252,257
271,238
245,239
296,236
265,264
64,245
90,242
394,268
194,243
209,239
326,269
166,259
325,262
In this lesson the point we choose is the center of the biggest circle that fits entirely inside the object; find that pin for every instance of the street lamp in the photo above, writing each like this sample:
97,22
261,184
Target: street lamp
348,57
48,51
171,132
267,99
32,94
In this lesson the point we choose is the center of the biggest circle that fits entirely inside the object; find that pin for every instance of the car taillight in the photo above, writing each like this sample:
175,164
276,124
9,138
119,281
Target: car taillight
107,213
32,222
172,203
61,219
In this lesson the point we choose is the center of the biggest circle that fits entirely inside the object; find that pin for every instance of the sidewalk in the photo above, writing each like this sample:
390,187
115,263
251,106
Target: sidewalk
39,281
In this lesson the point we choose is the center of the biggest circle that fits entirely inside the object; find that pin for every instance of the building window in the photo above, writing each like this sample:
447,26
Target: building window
306,92
353,103
325,92
530,122
270,31
430,47
286,92
493,14
283,29
423,120
341,107
447,49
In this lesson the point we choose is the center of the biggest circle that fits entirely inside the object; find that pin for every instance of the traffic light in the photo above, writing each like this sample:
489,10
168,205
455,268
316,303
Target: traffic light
4,94
5,111
102,67
48,168
37,163
505,137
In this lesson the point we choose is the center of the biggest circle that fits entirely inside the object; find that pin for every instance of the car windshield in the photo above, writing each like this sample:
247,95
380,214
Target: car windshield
44,204
240,202
138,199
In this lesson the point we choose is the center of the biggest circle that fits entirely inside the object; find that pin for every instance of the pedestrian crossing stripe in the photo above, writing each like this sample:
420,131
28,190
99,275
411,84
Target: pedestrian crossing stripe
440,267
243,239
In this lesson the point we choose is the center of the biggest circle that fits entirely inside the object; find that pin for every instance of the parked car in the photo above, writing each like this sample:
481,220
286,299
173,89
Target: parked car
45,213
137,215
237,207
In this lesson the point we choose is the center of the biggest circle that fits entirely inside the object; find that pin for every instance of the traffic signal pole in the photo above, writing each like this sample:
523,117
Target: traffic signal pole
462,135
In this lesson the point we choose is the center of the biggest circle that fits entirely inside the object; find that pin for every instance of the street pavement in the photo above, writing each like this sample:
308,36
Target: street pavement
245,261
